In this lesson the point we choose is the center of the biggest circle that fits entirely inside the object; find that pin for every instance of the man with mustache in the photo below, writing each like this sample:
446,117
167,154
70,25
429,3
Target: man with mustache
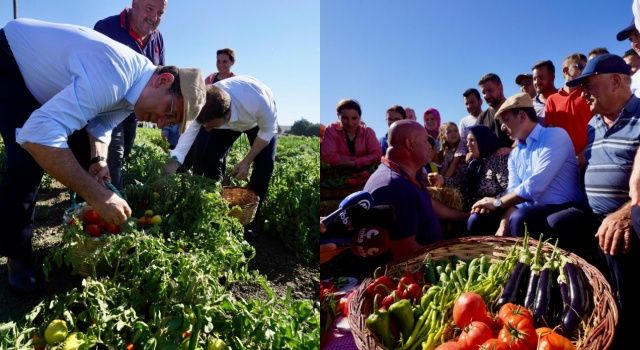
137,28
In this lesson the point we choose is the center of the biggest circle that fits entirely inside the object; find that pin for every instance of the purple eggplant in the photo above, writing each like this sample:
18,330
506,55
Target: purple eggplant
536,266
515,289
543,297
510,292
530,297
578,304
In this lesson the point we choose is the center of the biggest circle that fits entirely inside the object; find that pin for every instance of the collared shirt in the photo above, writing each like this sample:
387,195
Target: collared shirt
118,28
252,104
414,214
609,154
90,81
544,169
539,106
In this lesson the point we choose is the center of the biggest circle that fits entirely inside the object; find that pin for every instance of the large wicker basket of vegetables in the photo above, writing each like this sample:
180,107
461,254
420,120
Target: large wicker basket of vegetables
569,296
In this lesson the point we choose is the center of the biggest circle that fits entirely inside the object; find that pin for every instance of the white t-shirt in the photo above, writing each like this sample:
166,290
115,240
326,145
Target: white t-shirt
635,83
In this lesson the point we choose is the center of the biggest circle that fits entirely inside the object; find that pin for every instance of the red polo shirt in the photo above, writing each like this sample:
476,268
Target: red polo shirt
571,112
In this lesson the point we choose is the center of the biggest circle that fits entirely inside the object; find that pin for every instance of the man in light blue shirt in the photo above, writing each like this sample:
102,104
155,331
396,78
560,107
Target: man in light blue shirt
544,184
62,89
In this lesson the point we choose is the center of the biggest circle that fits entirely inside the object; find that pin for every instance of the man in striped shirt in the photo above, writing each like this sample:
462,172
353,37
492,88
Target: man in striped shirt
613,139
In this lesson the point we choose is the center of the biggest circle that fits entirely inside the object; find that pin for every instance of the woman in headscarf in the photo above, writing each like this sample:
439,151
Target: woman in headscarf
487,174
431,119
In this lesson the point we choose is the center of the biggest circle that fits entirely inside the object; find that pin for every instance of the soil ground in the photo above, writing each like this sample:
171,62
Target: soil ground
272,260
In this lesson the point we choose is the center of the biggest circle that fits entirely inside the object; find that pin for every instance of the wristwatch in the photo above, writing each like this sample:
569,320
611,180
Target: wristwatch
97,159
497,203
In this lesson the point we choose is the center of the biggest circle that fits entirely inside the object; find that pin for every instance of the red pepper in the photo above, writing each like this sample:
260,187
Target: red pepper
381,286
414,291
389,300
404,282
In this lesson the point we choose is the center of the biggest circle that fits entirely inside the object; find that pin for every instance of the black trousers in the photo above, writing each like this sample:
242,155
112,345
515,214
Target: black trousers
22,176
209,157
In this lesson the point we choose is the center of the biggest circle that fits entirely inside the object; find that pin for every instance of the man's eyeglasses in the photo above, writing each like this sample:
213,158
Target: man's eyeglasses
580,66
171,116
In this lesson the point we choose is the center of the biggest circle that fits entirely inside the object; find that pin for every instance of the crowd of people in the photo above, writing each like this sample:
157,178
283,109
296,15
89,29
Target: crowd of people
558,162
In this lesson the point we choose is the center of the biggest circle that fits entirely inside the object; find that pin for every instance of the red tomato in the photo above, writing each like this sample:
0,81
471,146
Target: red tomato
519,334
91,216
469,307
550,340
510,309
93,230
493,344
450,345
474,334
112,228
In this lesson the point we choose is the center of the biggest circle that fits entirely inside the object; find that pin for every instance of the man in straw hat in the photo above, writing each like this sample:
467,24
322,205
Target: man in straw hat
543,190
58,104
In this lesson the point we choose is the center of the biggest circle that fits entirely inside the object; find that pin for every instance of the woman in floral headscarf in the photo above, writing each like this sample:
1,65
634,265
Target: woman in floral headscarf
432,124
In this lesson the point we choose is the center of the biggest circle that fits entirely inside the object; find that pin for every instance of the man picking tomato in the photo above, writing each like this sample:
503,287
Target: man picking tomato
62,89
236,105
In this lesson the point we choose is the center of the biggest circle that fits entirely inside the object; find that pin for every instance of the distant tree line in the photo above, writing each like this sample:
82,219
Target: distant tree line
304,127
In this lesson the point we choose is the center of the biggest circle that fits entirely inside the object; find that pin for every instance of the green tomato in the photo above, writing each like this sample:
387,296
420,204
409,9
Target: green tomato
56,332
217,344
148,213
72,342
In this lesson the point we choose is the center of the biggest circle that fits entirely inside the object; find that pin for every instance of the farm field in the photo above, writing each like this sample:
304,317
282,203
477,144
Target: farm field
189,281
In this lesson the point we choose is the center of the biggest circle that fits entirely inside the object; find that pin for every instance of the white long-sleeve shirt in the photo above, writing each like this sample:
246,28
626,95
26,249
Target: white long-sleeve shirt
81,78
252,104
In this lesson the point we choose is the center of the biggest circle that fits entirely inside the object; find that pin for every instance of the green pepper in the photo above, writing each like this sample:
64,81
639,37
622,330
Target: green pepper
379,323
402,313
428,297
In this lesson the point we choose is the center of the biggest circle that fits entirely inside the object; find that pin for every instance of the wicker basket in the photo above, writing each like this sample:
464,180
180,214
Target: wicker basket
449,196
244,199
597,334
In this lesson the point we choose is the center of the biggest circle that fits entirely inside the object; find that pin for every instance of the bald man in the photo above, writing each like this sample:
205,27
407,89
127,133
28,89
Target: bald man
398,182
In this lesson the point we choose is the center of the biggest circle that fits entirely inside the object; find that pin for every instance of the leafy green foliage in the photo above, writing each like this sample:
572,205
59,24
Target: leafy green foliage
170,285
304,127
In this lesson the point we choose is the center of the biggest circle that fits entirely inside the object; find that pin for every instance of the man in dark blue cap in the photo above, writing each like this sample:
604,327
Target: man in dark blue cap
614,137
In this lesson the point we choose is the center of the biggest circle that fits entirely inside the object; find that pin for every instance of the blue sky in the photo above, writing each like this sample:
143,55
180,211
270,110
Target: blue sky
277,41
423,54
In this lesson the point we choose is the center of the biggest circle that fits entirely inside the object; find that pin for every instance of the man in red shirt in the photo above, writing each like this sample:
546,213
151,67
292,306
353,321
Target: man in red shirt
567,108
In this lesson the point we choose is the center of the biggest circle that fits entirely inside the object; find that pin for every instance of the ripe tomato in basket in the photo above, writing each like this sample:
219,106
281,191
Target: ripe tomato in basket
112,228
93,230
91,216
